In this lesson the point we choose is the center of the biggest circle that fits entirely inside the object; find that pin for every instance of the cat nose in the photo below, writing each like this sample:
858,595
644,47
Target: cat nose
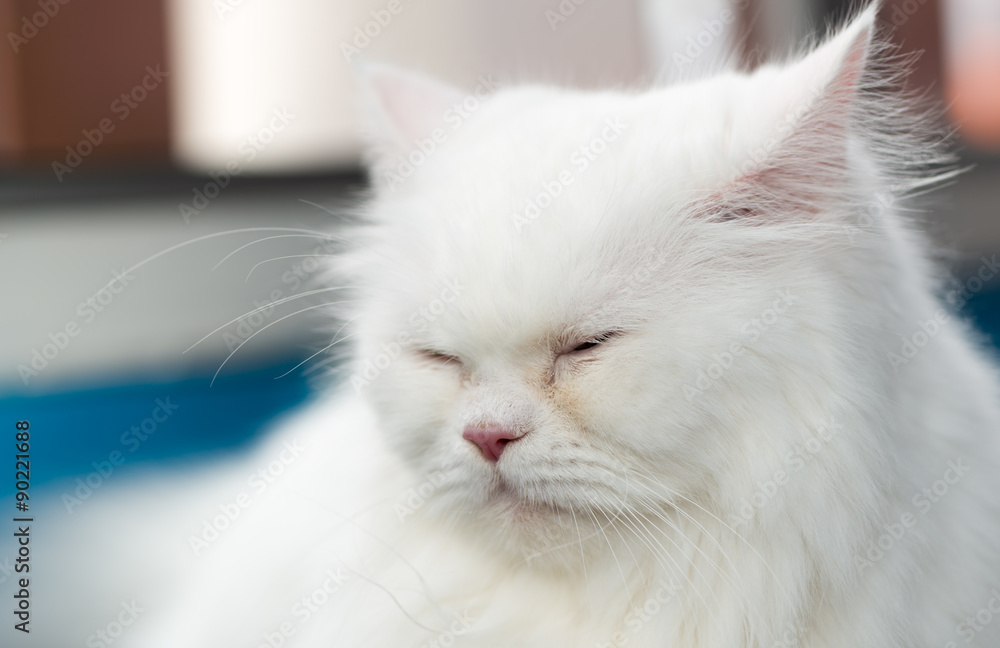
492,439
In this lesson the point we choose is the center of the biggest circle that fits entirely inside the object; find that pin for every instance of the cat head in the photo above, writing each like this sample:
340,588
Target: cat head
573,305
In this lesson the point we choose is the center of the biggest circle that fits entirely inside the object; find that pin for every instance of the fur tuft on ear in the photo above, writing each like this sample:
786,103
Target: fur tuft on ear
811,160
832,99
400,108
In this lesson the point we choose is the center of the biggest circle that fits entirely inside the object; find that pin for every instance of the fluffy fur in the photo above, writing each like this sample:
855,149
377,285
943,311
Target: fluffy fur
777,435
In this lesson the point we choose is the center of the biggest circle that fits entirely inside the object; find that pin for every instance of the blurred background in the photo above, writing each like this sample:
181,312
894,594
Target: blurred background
168,169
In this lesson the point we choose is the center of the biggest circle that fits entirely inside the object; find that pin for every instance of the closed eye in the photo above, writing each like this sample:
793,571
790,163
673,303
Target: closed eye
596,341
437,356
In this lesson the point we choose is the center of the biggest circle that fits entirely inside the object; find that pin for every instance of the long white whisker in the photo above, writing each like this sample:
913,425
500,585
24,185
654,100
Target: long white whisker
664,552
583,559
264,328
261,240
614,556
262,308
753,549
214,235
730,582
326,348
288,256
628,591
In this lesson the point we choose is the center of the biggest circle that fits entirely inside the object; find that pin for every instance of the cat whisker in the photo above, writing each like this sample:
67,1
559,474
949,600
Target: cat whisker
351,520
326,348
277,302
653,508
397,603
333,358
206,237
289,256
264,328
336,340
277,236
652,505
583,559
320,207
753,549
677,528
614,556
628,591
666,552
661,551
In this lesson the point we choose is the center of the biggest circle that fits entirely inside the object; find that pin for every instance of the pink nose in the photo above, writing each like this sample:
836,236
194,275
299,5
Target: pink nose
492,439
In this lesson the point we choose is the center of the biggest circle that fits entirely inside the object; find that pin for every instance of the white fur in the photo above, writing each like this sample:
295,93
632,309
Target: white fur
730,211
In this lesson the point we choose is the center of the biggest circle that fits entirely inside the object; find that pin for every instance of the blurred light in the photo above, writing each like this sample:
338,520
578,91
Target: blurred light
240,63
972,65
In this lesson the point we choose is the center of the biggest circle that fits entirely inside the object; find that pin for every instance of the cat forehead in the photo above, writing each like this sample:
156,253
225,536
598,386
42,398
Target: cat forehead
537,150
537,165
551,206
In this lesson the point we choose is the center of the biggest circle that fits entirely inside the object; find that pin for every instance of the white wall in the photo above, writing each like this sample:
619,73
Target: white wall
232,68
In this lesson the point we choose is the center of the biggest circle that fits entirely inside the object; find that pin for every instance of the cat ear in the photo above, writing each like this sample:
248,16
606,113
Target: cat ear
402,109
805,163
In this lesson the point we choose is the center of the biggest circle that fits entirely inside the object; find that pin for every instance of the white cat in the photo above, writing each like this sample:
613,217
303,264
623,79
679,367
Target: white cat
650,369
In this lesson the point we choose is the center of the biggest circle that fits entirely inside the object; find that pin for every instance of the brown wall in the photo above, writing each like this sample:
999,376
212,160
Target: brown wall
66,72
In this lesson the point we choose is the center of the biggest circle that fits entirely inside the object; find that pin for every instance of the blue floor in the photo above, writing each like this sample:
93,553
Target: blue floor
75,429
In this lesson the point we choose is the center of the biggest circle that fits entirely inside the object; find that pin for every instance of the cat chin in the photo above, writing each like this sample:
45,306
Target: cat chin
522,532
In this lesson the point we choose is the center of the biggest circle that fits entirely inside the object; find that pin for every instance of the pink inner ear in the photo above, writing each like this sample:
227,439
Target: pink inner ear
846,82
411,105
809,168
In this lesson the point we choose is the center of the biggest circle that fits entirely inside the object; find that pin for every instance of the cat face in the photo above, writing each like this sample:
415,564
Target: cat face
568,300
